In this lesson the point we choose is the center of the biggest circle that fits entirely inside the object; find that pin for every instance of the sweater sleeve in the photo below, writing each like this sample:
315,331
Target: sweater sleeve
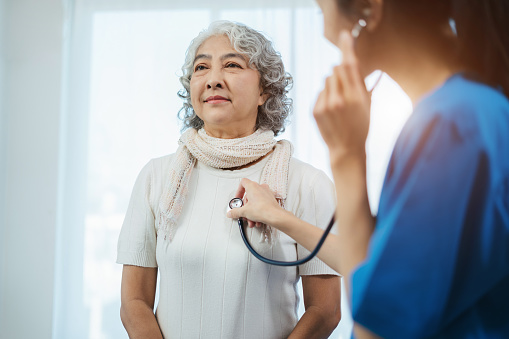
137,240
318,201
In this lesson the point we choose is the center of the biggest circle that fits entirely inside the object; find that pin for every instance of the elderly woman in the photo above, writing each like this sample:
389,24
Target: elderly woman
235,90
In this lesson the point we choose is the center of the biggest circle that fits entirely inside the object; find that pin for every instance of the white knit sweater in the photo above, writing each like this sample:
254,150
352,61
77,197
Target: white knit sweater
210,285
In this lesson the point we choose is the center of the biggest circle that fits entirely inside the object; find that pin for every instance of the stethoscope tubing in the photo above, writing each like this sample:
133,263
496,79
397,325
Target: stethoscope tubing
286,263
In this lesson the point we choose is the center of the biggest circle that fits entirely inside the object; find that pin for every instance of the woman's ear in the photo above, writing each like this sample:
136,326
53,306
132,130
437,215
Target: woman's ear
373,15
263,98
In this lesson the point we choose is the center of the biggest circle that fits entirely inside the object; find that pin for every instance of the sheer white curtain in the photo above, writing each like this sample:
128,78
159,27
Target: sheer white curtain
122,64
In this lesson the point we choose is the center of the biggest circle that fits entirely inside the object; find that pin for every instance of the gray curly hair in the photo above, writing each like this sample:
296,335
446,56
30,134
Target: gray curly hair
274,81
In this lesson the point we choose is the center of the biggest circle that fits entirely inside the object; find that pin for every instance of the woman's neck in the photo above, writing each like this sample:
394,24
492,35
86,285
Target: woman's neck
222,132
420,77
419,68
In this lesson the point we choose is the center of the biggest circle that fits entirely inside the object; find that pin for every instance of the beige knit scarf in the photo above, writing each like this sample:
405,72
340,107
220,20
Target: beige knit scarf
222,153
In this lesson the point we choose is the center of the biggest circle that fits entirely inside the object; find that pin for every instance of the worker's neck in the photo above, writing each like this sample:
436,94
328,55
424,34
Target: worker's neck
418,71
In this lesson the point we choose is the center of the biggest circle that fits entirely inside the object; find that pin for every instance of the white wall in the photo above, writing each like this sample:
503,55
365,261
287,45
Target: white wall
32,47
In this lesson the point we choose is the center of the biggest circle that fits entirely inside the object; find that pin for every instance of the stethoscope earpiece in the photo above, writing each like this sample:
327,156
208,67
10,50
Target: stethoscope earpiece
362,23
356,30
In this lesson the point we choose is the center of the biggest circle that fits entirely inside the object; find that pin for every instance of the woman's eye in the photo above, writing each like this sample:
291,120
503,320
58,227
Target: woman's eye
199,68
233,65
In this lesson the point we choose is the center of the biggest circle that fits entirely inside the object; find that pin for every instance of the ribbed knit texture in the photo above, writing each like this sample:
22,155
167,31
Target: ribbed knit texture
223,154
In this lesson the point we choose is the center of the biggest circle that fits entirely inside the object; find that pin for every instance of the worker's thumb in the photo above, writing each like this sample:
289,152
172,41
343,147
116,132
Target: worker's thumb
234,213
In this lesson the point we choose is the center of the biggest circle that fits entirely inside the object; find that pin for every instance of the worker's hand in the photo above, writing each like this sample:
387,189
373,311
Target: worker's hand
342,108
260,205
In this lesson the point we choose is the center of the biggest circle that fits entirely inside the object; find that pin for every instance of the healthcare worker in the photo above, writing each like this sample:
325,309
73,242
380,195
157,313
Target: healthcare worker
434,262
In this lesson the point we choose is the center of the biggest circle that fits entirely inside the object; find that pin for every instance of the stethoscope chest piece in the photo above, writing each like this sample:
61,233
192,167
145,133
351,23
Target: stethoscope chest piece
235,203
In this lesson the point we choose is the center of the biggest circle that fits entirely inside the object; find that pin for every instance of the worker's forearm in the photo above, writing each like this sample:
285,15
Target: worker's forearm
342,252
139,321
353,214
308,236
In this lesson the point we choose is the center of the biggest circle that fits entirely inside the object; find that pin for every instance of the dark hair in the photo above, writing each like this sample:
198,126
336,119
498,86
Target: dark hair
482,42
483,37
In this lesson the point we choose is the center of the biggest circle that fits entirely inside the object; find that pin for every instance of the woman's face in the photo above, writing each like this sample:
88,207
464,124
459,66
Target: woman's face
334,20
225,91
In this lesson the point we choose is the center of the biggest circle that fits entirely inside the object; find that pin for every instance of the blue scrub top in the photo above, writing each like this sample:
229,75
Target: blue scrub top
438,261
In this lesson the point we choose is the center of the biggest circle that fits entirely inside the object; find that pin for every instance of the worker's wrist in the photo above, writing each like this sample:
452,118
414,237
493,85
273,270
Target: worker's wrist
345,157
282,220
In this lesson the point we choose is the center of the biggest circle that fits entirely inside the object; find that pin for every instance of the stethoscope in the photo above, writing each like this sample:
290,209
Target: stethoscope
237,202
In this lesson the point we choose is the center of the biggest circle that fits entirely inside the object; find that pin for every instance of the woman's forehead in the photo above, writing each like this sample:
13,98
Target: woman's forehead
217,45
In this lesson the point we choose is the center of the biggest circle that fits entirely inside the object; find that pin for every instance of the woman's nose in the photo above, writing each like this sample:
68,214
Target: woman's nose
214,84
215,80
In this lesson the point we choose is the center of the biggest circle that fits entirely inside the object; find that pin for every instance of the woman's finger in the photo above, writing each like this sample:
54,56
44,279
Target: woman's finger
328,109
346,45
320,101
336,92
352,90
349,71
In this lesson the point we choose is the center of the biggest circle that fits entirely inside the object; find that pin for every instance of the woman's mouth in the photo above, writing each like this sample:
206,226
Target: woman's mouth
216,99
